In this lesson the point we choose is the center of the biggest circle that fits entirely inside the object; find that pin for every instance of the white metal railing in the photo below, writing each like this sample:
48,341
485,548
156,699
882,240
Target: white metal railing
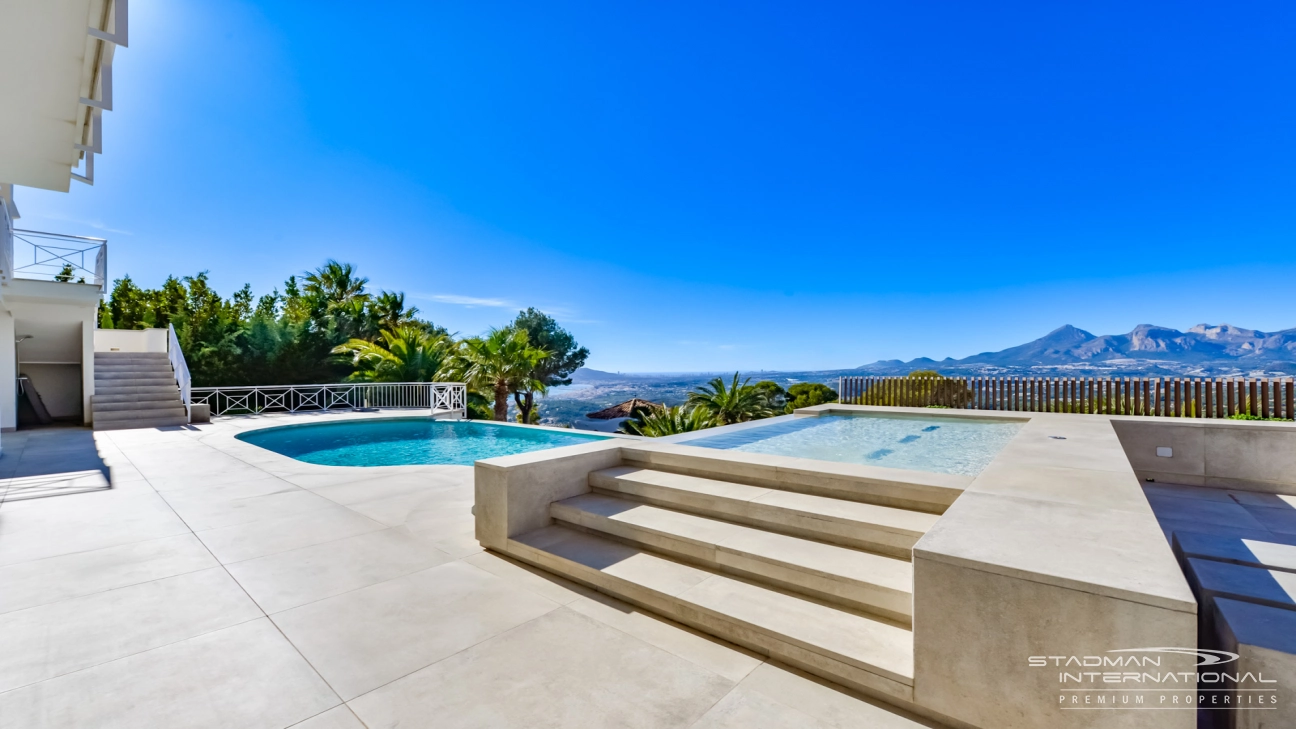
438,397
54,257
179,367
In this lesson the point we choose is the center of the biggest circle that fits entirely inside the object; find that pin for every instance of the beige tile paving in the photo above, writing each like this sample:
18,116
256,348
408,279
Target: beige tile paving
42,581
271,536
51,640
369,637
144,606
243,677
289,579
563,670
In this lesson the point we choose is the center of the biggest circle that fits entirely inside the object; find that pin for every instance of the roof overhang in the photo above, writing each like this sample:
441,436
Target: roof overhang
55,83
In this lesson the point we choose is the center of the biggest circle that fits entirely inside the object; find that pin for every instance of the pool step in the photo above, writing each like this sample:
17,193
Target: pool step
853,579
900,489
870,654
882,529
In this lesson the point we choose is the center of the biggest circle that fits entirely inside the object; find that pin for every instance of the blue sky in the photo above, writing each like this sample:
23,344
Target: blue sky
716,186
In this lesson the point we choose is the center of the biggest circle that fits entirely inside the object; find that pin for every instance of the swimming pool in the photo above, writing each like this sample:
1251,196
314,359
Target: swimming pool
935,444
407,441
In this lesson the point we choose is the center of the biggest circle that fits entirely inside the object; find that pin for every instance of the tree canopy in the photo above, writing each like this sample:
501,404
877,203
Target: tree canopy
326,326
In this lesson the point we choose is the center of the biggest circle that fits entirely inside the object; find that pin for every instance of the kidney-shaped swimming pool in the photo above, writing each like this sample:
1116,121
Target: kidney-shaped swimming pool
407,441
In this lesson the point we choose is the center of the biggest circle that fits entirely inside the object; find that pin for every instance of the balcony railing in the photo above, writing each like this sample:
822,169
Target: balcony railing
439,397
54,257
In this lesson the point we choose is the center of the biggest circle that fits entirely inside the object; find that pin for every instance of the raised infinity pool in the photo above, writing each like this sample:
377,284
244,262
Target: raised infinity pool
407,441
939,445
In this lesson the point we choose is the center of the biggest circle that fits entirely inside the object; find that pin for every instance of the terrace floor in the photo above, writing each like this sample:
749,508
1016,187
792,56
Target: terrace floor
181,578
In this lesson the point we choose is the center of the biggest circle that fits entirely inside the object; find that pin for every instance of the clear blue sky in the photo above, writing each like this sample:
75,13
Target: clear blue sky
709,186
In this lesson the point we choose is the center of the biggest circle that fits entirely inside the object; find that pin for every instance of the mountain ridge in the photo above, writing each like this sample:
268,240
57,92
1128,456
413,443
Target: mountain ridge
1207,346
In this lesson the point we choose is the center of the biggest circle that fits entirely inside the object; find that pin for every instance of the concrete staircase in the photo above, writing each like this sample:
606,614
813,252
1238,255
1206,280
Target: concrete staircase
135,390
818,578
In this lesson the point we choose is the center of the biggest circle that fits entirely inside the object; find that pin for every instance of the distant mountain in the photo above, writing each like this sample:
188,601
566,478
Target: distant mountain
1204,348
587,376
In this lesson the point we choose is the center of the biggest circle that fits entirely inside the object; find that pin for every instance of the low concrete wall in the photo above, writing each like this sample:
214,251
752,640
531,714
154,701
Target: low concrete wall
513,493
130,340
1052,551
1233,454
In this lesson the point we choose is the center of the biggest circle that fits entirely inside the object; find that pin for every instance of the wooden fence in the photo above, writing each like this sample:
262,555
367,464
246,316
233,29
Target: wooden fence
1176,397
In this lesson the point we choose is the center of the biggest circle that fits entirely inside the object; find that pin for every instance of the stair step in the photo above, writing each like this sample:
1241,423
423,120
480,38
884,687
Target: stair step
135,382
141,423
116,390
854,579
896,488
115,369
134,374
102,408
128,357
855,524
110,395
176,410
871,655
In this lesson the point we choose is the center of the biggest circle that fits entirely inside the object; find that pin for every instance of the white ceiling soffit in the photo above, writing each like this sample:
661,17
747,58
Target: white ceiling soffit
55,83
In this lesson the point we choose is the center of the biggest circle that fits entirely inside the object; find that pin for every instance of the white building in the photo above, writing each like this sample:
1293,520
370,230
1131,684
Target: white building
56,77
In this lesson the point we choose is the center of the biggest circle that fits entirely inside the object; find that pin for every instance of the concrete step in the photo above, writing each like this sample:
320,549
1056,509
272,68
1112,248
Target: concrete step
901,489
856,580
117,369
118,390
103,408
868,654
130,357
112,397
176,410
134,374
141,423
883,529
134,382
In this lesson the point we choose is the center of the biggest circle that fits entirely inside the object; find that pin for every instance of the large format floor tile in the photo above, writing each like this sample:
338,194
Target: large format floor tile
562,670
242,677
271,536
205,513
365,638
43,581
51,640
62,525
288,579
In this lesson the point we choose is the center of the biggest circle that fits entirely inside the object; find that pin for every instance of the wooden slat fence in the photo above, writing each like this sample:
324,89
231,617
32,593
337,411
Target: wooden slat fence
1176,397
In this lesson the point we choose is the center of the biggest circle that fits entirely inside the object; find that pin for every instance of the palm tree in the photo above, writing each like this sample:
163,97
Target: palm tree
335,283
335,294
732,403
403,354
502,362
389,312
668,421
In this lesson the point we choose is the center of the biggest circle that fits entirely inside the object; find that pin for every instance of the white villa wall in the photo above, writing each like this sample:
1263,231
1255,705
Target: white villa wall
130,340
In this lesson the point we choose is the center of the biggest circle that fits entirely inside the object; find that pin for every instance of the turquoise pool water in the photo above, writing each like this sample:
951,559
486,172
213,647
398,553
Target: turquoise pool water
406,441
938,445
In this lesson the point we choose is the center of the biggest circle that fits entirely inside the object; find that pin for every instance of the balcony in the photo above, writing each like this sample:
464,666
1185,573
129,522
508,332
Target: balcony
31,254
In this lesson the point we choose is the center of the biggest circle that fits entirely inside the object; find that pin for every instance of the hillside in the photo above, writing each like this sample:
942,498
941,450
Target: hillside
1148,349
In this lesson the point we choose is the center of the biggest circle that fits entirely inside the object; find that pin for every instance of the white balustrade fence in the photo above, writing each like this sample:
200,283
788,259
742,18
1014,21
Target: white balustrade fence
181,369
54,257
435,396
